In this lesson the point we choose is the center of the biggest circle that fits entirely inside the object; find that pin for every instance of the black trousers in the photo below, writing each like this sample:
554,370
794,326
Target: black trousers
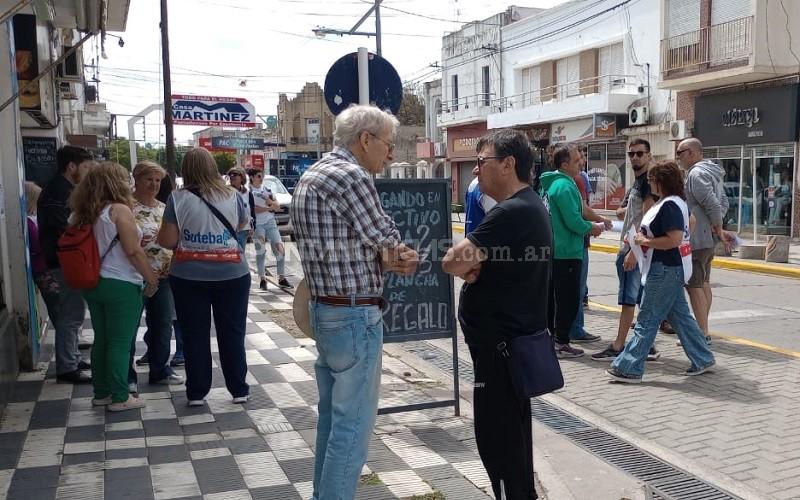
565,297
503,429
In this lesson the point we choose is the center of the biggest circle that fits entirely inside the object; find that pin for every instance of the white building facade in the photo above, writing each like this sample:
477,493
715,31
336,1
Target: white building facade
585,72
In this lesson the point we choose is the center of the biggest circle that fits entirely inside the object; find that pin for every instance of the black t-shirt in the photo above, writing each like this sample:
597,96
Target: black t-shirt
669,218
510,297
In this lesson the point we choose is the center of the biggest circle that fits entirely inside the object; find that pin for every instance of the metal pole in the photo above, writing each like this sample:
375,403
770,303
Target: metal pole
755,194
13,10
363,76
170,166
378,28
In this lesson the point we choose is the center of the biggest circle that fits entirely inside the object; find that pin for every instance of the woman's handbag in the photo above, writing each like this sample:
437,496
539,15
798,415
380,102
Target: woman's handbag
532,364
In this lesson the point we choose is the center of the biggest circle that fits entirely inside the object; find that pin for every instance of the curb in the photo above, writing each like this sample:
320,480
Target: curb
723,263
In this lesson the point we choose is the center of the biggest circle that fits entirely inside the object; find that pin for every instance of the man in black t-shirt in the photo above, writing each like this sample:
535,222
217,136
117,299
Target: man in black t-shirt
505,263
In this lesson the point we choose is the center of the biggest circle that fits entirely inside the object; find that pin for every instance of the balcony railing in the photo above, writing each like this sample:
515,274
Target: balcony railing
467,102
607,84
717,45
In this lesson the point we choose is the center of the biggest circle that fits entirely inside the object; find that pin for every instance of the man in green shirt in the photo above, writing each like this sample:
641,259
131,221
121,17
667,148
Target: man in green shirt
563,200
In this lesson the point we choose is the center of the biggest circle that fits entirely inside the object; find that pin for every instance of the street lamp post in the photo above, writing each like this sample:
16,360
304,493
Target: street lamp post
320,31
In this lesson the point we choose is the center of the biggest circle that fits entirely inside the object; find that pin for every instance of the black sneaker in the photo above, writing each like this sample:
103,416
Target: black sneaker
75,377
667,328
608,354
83,365
618,376
142,361
691,372
653,355
566,351
284,283
588,337
177,361
263,284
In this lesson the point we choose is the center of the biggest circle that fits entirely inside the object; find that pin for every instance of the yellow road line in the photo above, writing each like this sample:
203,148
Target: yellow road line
729,338
730,264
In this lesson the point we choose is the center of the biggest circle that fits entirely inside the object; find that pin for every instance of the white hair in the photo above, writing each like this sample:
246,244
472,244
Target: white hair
357,119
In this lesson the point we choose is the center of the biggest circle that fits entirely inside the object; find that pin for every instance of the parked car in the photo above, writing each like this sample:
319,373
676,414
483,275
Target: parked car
285,200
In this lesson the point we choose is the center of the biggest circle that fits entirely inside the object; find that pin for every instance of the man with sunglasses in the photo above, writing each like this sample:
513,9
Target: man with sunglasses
639,201
705,195
505,262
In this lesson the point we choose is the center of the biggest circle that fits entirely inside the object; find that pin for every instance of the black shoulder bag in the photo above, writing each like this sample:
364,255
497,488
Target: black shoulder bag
532,364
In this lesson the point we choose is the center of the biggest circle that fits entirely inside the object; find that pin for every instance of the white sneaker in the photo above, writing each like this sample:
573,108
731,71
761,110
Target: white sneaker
172,379
131,404
102,401
241,400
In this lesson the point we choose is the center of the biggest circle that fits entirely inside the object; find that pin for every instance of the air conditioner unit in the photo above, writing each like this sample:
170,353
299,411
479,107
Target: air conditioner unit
638,116
65,91
677,130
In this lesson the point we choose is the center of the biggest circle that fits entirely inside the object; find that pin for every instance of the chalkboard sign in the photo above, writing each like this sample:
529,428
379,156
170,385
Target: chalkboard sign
40,159
420,306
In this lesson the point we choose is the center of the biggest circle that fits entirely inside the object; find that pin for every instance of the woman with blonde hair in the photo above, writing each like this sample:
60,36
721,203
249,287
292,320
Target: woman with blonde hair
238,179
209,272
103,199
148,211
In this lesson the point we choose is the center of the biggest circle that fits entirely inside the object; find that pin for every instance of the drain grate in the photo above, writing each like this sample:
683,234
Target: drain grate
662,480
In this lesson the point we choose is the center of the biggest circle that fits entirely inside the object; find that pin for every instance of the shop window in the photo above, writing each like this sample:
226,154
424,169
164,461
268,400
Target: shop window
486,87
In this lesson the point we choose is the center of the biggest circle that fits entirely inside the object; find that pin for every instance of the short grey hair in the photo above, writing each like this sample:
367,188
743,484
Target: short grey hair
357,119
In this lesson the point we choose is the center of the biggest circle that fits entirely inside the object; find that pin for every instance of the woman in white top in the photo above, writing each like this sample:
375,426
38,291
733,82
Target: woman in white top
103,198
238,178
209,273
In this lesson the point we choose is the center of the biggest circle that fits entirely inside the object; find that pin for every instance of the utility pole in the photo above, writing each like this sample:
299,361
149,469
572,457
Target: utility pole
170,138
320,31
378,28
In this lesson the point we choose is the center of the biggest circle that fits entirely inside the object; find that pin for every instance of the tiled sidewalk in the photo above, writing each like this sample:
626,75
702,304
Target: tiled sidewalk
54,444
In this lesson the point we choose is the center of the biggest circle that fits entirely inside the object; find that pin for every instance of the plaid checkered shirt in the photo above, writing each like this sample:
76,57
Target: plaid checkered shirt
341,227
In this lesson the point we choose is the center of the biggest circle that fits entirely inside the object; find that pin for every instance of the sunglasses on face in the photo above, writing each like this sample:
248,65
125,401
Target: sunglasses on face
681,151
482,159
233,174
638,154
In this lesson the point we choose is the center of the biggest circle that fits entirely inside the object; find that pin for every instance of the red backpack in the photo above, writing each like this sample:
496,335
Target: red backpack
79,257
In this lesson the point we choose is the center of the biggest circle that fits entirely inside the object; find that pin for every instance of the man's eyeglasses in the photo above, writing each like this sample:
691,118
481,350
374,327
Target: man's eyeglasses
639,154
390,145
482,159
681,151
231,175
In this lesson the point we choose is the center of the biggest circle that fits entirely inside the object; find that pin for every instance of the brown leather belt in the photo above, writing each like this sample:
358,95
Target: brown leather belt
343,300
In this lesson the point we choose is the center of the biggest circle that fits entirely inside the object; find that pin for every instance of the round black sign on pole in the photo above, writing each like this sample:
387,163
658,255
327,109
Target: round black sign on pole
341,84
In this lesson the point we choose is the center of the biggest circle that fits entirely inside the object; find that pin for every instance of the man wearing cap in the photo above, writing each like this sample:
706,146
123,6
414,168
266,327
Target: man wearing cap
346,241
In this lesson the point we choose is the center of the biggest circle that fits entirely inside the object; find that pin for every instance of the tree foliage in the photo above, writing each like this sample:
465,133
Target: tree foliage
225,161
119,152
412,109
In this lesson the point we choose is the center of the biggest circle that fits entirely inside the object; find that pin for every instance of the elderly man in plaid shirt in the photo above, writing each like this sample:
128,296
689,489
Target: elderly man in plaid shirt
346,242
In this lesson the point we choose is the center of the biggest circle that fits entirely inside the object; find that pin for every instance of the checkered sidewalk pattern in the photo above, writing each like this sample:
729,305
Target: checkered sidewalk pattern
55,445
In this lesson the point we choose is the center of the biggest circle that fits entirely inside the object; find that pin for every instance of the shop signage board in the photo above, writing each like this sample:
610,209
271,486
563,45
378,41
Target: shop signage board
212,111
605,126
752,116
39,157
571,131
237,142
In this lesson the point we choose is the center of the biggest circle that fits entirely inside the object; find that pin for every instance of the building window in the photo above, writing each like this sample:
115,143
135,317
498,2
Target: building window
531,83
454,92
568,71
486,89
611,66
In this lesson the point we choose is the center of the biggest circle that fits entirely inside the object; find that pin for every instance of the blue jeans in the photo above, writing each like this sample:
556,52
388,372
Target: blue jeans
194,301
348,369
269,232
67,310
577,331
663,299
630,283
158,318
